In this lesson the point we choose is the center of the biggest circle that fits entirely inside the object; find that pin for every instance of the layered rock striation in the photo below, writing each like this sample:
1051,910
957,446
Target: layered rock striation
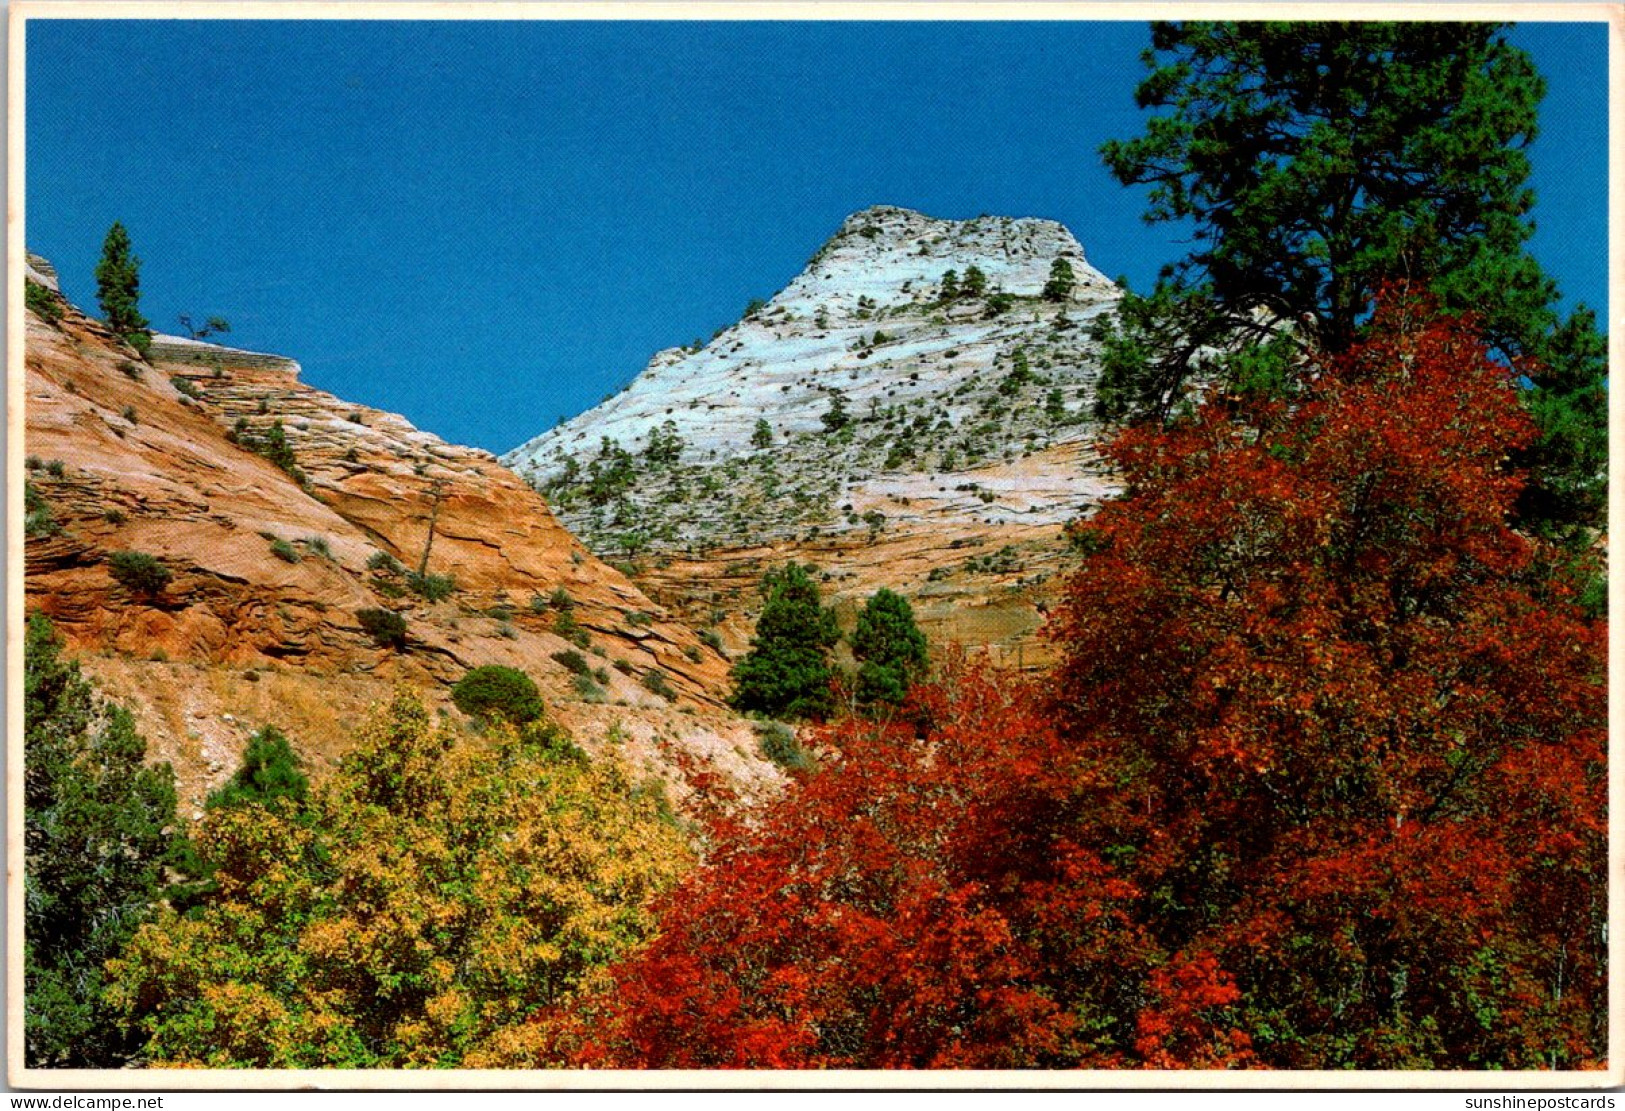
281,515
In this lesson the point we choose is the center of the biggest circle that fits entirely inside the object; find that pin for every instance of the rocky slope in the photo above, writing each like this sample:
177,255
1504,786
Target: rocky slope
865,419
281,513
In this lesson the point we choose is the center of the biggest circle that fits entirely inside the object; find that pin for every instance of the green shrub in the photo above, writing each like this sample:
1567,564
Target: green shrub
183,385
778,743
711,639
493,692
284,550
270,771
37,517
589,690
139,572
56,468
655,682
386,627
42,302
114,516
431,587
638,619
130,370
693,653
317,545
573,662
384,563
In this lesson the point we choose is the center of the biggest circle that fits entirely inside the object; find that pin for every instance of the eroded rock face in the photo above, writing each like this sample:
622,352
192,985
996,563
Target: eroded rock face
271,565
965,446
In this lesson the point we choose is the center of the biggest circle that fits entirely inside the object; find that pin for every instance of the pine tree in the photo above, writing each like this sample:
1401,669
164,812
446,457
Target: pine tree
950,285
1318,161
975,283
787,671
118,290
836,417
270,771
761,436
96,822
1062,279
889,648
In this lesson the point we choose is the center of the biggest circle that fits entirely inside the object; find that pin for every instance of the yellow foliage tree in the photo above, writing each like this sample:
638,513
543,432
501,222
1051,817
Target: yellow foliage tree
441,888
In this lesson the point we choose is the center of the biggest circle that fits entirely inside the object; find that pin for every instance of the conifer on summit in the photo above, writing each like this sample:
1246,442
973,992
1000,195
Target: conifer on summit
118,290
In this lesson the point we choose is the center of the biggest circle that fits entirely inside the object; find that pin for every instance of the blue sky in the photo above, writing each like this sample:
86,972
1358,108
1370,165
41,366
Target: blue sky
486,226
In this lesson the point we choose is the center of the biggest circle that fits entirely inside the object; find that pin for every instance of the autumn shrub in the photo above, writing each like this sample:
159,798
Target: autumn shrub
494,692
448,887
139,572
1320,783
1358,731
918,902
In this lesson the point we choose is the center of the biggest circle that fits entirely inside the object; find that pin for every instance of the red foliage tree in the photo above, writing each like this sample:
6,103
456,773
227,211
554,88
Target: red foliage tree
923,901
1359,734
1320,783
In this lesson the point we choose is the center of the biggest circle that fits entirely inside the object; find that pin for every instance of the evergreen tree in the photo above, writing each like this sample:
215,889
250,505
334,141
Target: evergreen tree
787,671
664,445
950,285
270,771
1318,161
762,436
118,289
975,283
836,417
96,821
1061,282
889,648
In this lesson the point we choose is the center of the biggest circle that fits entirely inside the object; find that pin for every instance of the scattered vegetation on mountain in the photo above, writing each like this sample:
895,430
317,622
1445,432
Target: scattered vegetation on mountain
212,326
1062,280
386,627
